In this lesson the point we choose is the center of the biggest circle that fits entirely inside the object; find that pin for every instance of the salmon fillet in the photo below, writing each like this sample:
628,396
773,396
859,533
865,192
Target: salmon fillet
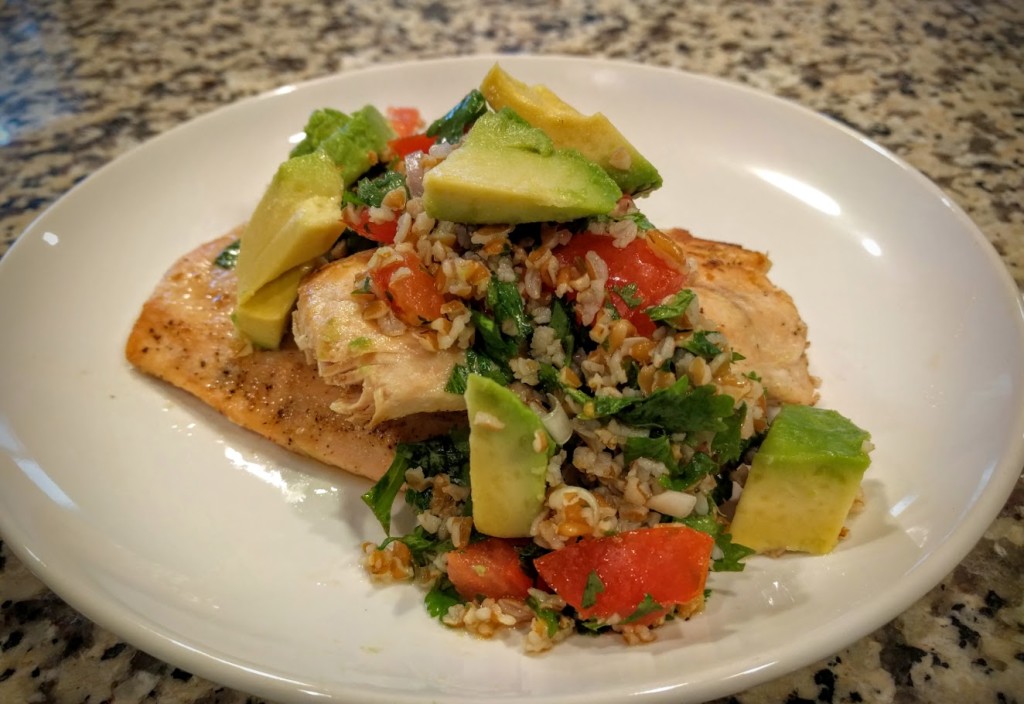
184,335
379,377
759,319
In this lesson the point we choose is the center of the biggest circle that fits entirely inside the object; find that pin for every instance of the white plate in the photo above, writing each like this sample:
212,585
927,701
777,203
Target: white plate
218,552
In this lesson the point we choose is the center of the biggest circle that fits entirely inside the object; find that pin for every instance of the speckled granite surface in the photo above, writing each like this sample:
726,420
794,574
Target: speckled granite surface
938,83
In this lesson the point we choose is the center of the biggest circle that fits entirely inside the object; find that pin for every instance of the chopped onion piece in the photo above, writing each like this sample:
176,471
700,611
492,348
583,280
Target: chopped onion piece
557,423
677,504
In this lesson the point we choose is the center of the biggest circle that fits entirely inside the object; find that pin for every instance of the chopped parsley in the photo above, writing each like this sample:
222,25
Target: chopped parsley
629,295
699,344
371,191
441,597
593,587
454,124
228,257
644,608
673,309
548,616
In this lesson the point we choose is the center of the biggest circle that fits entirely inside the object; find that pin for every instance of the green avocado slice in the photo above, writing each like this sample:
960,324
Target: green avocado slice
509,450
594,136
506,171
802,482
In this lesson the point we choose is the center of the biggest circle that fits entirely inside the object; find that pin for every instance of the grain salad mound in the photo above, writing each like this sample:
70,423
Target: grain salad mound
544,323
584,414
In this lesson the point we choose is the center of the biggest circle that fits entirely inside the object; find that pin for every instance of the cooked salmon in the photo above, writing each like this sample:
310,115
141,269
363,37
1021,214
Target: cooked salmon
379,377
184,335
759,319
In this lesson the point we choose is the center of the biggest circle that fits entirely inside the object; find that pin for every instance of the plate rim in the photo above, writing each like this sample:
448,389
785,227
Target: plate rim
933,568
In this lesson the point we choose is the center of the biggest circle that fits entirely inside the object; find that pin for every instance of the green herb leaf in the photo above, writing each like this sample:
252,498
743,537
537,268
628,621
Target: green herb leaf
453,125
629,295
371,191
441,597
562,324
228,256
591,625
548,616
681,409
423,546
658,449
732,553
672,310
491,340
699,466
444,454
640,219
700,345
644,608
593,587
382,495
728,445
505,303
476,363
598,406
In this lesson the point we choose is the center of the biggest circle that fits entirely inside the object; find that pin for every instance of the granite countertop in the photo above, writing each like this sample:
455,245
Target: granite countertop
938,83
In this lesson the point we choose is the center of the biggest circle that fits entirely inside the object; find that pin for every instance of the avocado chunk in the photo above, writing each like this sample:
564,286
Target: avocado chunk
802,482
265,315
298,219
506,171
594,136
509,450
355,145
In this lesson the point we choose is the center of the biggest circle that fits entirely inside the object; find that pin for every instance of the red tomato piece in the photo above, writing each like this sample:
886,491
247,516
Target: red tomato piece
383,232
638,277
488,568
668,562
412,296
403,146
404,121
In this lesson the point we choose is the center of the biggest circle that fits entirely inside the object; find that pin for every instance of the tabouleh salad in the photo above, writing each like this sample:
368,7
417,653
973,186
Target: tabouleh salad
615,441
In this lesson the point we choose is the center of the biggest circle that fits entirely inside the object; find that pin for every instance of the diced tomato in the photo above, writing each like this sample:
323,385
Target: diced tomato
488,568
383,232
403,146
668,563
635,271
405,121
412,296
